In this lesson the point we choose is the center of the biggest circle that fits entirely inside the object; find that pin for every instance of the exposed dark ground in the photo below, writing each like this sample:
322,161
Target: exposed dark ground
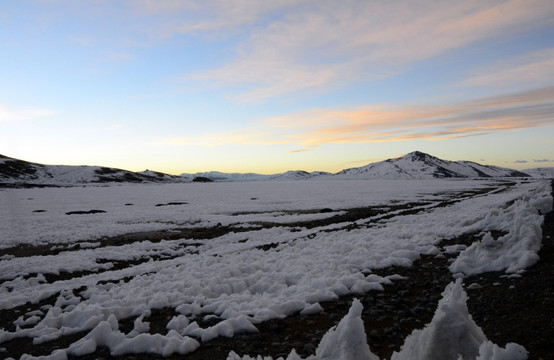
519,310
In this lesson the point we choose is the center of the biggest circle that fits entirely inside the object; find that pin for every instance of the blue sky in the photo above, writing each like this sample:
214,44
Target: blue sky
259,86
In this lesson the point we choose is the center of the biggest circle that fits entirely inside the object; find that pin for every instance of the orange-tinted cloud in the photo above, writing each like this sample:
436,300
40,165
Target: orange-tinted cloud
381,123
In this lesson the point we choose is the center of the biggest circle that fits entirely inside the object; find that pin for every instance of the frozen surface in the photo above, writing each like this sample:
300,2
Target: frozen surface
38,216
242,278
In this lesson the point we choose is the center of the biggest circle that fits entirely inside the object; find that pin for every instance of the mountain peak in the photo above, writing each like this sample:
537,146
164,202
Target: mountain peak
419,165
417,156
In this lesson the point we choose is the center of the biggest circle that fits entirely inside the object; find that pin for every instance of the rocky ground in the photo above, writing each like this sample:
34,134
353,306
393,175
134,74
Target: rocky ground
508,309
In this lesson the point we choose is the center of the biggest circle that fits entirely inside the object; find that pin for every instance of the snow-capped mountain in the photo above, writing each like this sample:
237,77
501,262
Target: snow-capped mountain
418,165
542,172
415,165
289,175
14,171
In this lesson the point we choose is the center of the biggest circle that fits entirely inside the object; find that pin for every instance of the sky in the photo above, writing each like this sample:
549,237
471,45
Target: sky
183,86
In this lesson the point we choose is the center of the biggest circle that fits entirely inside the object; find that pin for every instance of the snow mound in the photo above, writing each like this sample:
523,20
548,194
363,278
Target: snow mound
107,333
451,335
348,340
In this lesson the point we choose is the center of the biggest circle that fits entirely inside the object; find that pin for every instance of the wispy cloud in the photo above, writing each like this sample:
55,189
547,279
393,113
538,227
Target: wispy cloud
325,43
207,17
113,127
10,114
292,45
382,123
298,151
536,68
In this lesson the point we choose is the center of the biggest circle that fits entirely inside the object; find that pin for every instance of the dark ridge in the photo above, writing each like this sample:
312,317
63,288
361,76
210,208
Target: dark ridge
18,168
85,212
173,203
202,179
479,172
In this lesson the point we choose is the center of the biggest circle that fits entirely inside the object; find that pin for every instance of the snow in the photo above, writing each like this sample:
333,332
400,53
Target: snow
208,204
514,251
348,340
289,175
541,172
107,334
417,165
452,334
231,278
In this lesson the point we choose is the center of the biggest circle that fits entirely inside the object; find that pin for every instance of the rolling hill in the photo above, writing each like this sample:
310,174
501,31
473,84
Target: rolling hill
17,172
415,165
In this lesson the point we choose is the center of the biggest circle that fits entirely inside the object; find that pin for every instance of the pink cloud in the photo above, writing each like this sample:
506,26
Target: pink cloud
381,123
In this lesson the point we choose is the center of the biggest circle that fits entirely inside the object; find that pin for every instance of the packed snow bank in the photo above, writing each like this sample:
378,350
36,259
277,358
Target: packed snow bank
451,335
517,249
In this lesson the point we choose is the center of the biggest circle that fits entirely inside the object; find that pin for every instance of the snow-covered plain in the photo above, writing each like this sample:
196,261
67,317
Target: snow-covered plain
268,264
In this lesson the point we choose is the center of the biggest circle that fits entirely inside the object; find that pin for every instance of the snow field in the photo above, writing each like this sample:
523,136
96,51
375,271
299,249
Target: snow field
207,205
230,276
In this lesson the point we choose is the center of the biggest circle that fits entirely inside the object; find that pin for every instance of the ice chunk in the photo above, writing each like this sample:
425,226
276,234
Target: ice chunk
490,351
452,334
311,309
178,323
56,355
348,340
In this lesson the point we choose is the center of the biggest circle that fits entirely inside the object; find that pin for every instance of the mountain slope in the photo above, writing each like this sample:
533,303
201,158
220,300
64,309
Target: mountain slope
418,165
14,171
542,172
415,165
289,175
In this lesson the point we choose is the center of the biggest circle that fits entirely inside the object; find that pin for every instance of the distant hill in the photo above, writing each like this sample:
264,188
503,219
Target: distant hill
415,165
418,165
542,172
289,175
14,172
